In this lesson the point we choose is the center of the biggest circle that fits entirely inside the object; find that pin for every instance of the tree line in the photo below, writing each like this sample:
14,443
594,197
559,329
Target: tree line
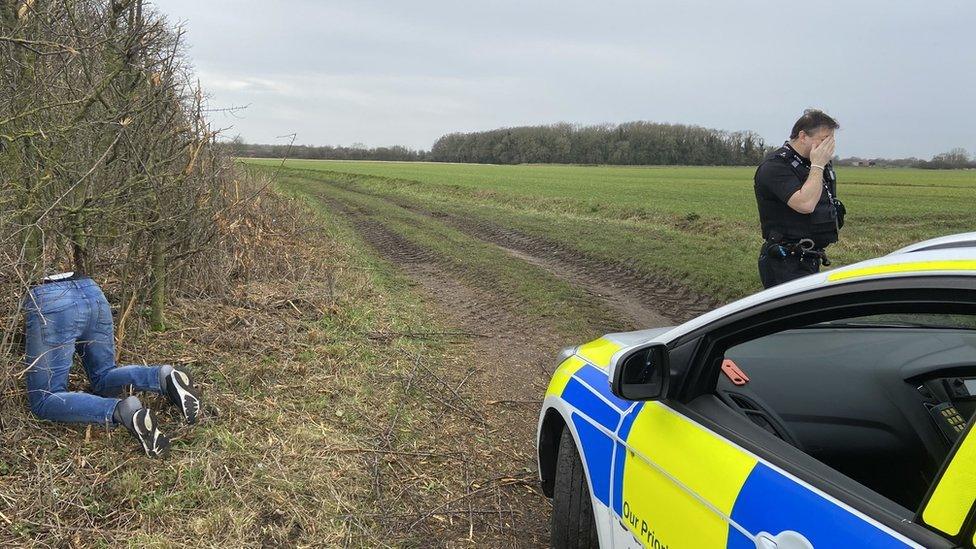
644,143
629,143
239,148
955,159
632,143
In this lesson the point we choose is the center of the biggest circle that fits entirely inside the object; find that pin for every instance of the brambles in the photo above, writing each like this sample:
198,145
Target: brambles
107,163
109,166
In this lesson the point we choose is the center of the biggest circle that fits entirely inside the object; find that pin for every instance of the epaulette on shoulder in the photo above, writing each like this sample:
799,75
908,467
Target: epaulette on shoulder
782,153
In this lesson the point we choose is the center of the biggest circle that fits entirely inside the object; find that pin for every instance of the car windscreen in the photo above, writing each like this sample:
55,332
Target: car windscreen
915,320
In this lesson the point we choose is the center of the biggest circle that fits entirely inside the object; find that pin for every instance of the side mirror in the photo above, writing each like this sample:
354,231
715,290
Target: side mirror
643,374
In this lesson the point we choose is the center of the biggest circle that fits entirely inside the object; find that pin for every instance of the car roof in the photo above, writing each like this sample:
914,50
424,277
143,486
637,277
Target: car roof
962,240
933,259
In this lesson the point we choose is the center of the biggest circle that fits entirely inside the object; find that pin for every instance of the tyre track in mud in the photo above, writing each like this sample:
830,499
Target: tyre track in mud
648,300
645,299
512,355
478,305
506,371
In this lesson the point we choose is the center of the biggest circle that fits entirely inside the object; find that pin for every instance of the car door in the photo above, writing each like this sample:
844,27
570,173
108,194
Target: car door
950,507
675,483
683,477
679,484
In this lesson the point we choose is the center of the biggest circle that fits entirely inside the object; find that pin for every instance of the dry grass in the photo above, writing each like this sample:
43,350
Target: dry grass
316,424
338,413
286,398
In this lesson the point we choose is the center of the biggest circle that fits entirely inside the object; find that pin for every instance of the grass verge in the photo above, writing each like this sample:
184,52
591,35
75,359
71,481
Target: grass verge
308,427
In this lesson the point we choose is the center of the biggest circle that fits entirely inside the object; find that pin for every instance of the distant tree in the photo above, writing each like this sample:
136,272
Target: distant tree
956,158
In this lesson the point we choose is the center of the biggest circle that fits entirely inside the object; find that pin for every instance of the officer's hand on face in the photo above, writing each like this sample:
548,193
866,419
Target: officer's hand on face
822,153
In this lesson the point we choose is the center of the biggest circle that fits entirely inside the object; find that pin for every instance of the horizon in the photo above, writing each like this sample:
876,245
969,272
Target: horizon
362,146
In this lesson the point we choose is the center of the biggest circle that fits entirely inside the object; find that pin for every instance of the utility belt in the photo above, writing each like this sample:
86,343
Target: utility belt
803,249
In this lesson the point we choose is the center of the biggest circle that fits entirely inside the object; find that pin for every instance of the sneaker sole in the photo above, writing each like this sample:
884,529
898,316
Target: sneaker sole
188,398
154,443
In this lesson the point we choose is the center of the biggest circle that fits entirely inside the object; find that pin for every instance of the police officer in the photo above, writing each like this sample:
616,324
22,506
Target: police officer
796,191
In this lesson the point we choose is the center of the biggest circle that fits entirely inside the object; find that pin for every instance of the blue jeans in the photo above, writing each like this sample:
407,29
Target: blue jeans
68,317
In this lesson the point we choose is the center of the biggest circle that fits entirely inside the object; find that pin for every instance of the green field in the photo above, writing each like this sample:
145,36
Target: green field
489,270
697,225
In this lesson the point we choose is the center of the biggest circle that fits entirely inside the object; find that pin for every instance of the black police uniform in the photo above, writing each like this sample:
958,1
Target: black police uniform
794,242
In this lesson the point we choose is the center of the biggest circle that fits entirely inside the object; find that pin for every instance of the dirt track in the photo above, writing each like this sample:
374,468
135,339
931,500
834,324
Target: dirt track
507,360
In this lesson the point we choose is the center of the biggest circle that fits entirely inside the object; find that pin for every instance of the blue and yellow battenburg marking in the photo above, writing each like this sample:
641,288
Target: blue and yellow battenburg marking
598,352
672,483
952,498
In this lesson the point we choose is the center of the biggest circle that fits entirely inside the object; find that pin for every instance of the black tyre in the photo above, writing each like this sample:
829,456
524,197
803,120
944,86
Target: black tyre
573,525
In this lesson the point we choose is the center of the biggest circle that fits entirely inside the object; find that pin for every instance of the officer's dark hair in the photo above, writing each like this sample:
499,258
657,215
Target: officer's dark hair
811,120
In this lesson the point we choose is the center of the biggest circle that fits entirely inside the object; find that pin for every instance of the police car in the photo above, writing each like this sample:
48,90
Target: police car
830,411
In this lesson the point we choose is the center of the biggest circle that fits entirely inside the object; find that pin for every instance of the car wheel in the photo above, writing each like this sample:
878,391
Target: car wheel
573,525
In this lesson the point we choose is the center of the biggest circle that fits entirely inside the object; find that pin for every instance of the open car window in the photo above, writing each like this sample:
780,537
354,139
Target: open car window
880,399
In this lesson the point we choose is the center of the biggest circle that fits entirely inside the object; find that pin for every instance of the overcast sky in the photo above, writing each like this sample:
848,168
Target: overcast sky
899,76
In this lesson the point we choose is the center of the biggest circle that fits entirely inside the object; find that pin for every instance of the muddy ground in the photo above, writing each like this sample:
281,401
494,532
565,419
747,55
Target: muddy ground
491,390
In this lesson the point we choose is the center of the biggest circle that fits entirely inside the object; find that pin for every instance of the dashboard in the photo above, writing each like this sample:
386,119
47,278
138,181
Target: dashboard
882,405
